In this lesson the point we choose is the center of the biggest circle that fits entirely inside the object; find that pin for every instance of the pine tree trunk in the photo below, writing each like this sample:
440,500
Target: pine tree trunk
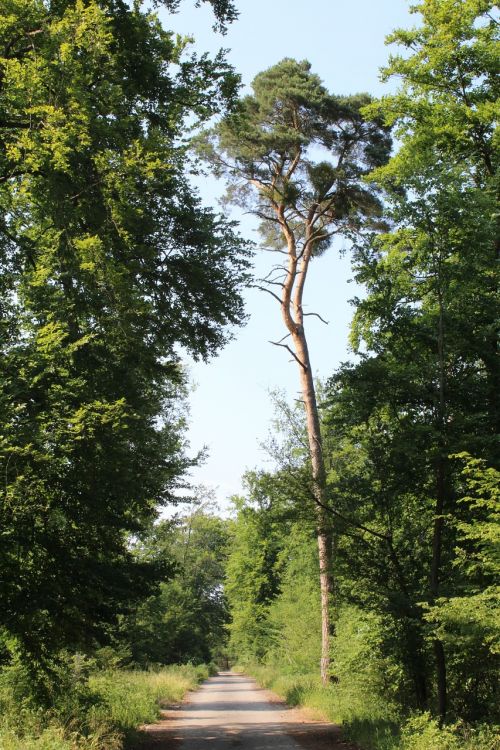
324,532
326,584
293,317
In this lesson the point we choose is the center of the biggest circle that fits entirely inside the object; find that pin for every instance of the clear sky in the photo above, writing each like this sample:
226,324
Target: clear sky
230,406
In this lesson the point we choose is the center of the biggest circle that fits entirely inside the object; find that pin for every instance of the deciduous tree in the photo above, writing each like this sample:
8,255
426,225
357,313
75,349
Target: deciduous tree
430,386
109,266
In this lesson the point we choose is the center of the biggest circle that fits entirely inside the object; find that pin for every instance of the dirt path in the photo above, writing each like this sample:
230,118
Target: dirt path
231,712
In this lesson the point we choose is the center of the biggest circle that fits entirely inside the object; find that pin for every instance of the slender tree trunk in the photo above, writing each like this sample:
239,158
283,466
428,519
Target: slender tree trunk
324,533
414,657
420,685
492,361
442,691
437,545
441,502
293,317
411,618
326,584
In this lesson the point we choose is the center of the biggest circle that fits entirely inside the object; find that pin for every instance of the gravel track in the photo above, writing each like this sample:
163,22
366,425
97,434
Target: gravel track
230,712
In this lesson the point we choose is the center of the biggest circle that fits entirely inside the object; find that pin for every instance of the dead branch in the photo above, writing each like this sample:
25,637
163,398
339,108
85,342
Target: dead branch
263,289
316,315
283,339
285,346
273,270
263,216
272,282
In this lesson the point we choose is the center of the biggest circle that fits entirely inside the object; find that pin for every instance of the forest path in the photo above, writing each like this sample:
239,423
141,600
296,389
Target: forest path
231,712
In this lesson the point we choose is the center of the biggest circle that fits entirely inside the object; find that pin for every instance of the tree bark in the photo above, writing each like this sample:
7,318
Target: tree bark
441,502
293,318
324,533
442,692
437,544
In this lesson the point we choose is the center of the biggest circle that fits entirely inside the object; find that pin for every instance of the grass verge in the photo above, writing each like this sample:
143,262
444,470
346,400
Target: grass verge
102,714
364,720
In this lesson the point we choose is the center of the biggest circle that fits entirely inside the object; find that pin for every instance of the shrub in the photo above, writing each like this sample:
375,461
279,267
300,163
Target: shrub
421,732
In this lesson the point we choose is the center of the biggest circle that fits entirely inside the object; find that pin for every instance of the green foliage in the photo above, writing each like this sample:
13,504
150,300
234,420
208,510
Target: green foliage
366,719
133,698
481,530
370,680
427,382
186,620
264,149
468,622
367,679
251,582
448,98
424,733
57,738
109,264
293,688
296,609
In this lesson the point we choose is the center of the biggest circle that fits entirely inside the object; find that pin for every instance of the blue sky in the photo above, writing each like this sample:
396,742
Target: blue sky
230,407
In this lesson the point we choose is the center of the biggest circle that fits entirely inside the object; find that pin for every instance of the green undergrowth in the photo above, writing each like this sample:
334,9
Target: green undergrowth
97,711
364,719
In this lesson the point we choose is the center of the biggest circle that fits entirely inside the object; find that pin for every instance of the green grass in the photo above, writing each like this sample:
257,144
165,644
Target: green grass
134,698
366,721
93,736
114,704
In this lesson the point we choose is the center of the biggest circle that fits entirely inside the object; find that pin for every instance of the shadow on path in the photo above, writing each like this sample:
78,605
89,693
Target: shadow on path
231,711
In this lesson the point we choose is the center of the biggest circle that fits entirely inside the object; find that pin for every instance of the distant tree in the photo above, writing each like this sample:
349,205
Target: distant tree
252,580
272,580
186,620
295,156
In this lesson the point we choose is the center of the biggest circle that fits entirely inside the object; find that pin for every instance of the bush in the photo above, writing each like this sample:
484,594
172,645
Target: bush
421,732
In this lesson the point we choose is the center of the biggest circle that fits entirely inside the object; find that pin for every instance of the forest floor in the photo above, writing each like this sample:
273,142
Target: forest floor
231,712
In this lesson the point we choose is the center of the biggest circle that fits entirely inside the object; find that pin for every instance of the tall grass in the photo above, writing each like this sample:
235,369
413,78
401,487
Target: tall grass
133,698
366,721
101,712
